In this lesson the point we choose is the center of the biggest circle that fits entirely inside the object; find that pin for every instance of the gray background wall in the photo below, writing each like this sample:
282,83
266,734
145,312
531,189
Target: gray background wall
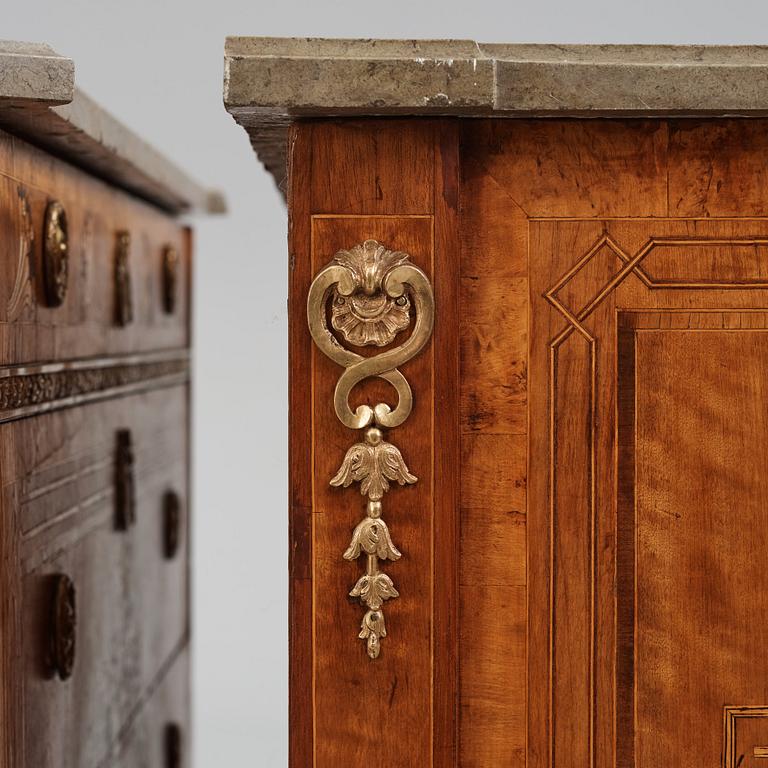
157,65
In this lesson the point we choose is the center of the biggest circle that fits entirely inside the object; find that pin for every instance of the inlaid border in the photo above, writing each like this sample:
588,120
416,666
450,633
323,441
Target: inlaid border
629,263
731,716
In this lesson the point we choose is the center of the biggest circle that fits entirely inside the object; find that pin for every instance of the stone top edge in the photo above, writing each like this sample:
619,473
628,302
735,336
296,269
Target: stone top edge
273,77
34,72
350,49
347,48
40,103
21,47
125,157
269,82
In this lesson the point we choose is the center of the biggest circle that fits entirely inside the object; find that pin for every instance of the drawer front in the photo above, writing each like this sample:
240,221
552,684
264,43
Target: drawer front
121,294
99,515
159,737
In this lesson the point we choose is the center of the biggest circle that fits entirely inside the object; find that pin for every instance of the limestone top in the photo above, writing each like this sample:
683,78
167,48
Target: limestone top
40,103
269,81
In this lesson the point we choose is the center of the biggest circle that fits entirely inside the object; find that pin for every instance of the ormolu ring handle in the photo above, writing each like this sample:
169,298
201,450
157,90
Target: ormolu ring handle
394,283
337,276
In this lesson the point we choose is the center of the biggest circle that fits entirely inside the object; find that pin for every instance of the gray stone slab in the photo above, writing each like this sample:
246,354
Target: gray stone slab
307,75
631,80
34,72
270,81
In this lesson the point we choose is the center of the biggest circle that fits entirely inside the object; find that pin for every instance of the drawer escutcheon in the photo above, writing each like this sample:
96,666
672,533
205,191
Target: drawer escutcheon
170,279
173,745
55,254
63,627
123,290
125,482
171,524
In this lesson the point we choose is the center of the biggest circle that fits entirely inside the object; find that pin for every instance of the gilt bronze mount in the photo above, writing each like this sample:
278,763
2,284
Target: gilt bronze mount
374,294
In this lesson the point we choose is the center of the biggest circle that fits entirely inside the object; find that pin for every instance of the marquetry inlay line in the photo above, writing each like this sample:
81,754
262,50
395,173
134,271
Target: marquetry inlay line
631,264
81,470
553,421
21,295
74,510
32,389
575,319
369,216
731,717
693,242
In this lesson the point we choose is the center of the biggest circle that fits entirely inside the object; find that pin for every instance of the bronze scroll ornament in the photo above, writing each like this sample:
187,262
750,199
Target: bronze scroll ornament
372,292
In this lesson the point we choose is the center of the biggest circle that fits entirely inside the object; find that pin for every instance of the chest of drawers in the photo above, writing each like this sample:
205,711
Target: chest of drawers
95,274
572,473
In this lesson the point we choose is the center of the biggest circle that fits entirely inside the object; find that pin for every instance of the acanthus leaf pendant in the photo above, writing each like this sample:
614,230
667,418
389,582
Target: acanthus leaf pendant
372,290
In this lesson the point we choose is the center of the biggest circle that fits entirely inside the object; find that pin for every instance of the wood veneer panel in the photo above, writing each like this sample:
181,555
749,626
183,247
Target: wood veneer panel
494,355
576,168
701,492
565,240
11,646
493,388
493,627
144,741
382,166
494,228
493,472
593,285
447,449
300,702
397,686
399,709
717,169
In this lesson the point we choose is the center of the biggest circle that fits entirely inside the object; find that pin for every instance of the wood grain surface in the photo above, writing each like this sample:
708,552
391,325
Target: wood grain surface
609,334
401,188
700,574
144,739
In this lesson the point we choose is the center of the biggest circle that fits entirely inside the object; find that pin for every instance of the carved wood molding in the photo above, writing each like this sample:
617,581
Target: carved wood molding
632,263
731,717
33,389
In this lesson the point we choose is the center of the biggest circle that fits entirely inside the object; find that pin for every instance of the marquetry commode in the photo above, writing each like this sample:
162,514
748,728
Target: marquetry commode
95,271
537,344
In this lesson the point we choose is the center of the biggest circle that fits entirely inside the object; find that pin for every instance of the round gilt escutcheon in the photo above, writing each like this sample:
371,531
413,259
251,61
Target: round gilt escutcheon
55,254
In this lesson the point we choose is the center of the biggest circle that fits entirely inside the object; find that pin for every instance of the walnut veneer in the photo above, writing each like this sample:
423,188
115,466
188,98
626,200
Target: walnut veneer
581,581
